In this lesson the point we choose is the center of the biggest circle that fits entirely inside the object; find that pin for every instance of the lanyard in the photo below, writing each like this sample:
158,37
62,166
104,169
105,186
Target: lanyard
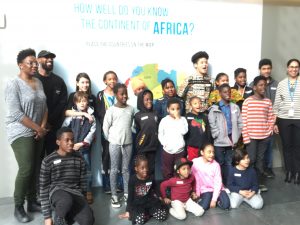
292,89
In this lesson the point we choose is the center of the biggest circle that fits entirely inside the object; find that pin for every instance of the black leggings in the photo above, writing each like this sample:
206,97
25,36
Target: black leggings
72,208
141,215
289,131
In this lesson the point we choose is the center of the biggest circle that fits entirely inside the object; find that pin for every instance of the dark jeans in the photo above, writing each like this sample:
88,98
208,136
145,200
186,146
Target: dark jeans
289,130
223,200
256,150
268,157
168,161
87,159
50,142
224,158
72,207
27,151
105,155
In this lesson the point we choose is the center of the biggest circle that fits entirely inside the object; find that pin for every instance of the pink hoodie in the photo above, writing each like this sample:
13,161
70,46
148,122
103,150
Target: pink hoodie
208,177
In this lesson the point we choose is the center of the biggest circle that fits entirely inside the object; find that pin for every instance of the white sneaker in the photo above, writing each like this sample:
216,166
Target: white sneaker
115,202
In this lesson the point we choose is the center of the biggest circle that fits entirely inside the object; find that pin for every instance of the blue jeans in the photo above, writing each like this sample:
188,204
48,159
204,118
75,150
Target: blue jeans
223,200
224,158
87,159
268,157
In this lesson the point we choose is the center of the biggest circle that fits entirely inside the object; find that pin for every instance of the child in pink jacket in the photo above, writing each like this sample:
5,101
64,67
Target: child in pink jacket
208,177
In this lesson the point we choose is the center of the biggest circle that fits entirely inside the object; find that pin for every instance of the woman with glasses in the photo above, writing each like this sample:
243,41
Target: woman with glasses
287,109
25,124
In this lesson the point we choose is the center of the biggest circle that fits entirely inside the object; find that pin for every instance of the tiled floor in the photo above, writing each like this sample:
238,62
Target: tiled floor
282,207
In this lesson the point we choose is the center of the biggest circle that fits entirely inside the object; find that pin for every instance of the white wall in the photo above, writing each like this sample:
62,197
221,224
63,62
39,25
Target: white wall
228,30
280,42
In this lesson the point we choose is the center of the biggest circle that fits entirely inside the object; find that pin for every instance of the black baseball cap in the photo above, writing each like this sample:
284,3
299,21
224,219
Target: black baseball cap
45,53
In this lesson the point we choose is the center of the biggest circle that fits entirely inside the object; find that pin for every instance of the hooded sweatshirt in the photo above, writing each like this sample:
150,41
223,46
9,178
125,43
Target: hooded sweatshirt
146,122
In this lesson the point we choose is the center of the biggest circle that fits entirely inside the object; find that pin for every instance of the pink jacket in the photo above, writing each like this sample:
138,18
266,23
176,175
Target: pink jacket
208,177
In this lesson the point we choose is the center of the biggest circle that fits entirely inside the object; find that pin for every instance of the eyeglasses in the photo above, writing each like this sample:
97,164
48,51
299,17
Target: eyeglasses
31,64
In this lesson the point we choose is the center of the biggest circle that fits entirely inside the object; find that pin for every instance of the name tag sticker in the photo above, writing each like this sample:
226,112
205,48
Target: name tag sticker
144,118
237,175
179,182
248,92
233,111
190,118
291,112
273,88
57,161
148,183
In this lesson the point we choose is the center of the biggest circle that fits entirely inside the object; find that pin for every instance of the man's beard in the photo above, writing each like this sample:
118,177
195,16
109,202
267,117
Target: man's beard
47,68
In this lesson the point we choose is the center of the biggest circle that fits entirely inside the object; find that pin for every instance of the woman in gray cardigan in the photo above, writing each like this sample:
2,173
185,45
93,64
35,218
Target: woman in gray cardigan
25,124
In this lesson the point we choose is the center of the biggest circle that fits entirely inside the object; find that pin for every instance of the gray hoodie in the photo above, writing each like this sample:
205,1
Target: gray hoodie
218,126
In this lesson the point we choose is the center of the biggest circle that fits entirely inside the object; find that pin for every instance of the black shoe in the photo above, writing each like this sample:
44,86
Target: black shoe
297,178
33,206
268,173
263,188
21,215
288,177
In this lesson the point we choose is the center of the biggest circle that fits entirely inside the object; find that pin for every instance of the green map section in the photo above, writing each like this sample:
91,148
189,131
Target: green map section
152,76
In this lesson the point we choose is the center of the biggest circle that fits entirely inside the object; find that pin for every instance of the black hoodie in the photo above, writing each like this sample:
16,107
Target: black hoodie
146,122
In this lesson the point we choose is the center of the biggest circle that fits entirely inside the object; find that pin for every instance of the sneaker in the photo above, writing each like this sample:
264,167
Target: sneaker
115,202
268,173
20,214
125,197
263,188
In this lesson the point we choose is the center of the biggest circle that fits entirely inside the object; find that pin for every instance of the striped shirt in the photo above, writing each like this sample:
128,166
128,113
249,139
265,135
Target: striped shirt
61,173
283,101
258,118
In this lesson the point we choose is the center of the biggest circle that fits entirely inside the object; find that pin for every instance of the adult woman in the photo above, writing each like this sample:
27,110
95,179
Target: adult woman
25,124
287,109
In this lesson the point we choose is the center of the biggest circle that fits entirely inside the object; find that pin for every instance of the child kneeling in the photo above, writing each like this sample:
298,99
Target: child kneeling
182,191
143,200
63,184
242,182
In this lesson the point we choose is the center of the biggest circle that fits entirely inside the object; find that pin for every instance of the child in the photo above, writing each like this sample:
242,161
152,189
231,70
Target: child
182,191
146,123
226,126
258,121
83,83
199,130
117,130
242,182
143,200
106,99
214,97
169,91
84,133
240,77
171,131
208,177
63,184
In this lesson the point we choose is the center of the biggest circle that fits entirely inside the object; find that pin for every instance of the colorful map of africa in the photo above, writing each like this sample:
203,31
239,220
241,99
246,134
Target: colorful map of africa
152,76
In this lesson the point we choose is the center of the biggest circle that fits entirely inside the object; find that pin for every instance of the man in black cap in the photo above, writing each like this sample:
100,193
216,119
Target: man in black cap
56,92
198,84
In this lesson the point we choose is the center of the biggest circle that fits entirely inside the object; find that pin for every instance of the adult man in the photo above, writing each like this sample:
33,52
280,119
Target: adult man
198,84
56,92
265,69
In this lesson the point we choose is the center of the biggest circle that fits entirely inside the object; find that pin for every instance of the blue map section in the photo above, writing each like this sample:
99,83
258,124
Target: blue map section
163,75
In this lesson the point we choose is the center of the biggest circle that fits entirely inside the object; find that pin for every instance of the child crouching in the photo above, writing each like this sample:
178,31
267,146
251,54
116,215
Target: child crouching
242,182
182,191
143,200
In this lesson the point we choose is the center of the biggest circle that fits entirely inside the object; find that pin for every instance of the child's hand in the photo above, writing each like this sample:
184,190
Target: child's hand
89,117
167,201
213,204
48,221
194,196
77,146
124,215
244,193
250,194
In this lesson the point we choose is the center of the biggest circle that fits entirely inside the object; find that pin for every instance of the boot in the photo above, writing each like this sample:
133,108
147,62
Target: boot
288,177
20,214
297,178
34,206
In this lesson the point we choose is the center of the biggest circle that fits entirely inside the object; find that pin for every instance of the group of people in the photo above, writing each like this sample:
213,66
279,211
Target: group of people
212,142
